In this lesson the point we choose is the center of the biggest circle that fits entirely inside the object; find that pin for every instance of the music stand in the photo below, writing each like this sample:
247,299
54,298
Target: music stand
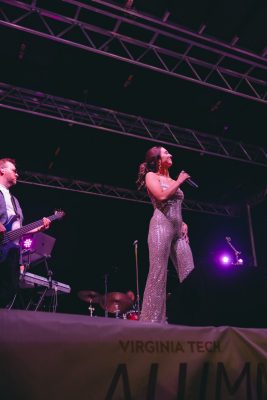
41,249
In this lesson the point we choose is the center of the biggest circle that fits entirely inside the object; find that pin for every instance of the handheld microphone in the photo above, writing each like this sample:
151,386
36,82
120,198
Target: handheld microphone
192,183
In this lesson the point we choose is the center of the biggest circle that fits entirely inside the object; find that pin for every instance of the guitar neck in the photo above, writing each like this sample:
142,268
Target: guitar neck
18,233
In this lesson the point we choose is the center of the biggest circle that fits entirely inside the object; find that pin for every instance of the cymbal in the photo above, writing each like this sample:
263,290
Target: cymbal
116,302
89,296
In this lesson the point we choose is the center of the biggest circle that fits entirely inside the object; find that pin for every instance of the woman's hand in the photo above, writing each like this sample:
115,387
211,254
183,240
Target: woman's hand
183,176
185,232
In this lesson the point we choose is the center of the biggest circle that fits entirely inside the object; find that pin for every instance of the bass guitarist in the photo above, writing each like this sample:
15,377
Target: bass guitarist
11,218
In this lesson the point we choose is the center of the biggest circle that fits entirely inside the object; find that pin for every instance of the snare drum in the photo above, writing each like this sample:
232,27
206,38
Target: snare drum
132,315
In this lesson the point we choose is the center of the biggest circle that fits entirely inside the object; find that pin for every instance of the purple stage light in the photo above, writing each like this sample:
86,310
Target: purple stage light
27,243
225,260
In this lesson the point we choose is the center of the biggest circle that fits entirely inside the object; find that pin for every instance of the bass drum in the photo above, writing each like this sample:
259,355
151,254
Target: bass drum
132,315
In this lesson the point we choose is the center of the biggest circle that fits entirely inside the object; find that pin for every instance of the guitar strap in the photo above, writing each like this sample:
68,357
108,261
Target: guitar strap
14,206
13,201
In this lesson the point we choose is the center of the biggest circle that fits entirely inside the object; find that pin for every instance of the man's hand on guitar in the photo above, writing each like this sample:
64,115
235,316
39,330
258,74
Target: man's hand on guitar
46,225
2,228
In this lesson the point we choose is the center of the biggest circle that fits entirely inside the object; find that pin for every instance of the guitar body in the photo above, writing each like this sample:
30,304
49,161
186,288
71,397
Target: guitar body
5,249
9,223
8,237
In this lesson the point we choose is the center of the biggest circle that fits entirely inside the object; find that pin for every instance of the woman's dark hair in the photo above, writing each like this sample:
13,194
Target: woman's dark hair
151,164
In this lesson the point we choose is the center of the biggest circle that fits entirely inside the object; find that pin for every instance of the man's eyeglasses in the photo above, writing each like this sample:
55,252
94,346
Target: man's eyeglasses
12,170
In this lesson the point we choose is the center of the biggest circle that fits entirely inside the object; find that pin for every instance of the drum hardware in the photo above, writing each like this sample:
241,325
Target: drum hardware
117,311
106,293
132,315
90,296
91,309
116,303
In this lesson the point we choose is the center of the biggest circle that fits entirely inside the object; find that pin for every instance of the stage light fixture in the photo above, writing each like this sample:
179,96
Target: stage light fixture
27,243
225,260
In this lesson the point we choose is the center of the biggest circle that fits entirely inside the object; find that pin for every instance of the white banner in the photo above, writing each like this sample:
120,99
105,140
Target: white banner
59,356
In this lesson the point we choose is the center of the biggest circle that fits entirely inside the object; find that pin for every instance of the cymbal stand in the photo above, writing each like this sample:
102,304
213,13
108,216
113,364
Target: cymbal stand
117,312
105,295
91,308
26,263
135,243
54,297
51,288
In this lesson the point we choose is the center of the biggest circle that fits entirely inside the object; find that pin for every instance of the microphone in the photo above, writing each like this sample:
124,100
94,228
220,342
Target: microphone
192,183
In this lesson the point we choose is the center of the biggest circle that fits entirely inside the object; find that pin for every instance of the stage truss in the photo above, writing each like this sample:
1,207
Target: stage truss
97,189
124,34
74,112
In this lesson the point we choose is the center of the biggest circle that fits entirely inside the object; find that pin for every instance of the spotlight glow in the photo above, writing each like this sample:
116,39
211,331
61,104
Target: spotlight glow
27,243
225,260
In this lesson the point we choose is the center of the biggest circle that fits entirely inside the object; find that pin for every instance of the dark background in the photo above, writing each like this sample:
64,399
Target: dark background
95,238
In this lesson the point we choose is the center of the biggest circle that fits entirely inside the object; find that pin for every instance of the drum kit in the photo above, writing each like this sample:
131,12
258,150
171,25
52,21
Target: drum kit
115,304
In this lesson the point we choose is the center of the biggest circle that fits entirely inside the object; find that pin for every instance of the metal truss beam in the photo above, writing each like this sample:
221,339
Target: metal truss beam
96,189
110,30
258,198
73,112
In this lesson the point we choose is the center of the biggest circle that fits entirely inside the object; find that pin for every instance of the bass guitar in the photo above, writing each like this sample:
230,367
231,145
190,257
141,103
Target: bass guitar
7,237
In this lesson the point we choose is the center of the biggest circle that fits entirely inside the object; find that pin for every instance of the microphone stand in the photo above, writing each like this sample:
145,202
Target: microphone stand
50,288
49,273
228,239
135,243
105,295
28,262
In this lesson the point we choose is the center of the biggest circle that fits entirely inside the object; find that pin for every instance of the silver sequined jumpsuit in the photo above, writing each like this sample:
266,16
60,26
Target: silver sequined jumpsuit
164,241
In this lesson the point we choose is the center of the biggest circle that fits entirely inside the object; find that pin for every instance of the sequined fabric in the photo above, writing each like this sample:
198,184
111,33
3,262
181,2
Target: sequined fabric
164,241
